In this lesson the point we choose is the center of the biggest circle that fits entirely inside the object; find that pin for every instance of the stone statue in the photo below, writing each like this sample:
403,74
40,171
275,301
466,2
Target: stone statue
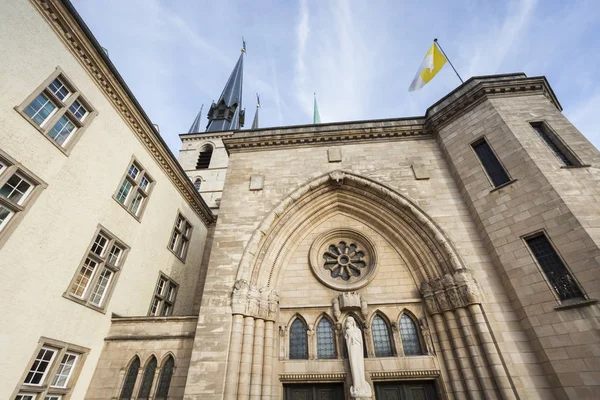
360,389
426,336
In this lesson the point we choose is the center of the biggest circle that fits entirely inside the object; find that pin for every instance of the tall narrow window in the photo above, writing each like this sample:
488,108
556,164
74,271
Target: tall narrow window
164,381
204,157
134,189
410,336
130,378
298,341
559,149
147,379
58,110
50,375
490,162
381,337
553,267
180,237
325,340
96,276
18,190
197,184
164,297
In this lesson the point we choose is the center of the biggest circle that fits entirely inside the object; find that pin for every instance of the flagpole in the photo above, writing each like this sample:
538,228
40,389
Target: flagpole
449,62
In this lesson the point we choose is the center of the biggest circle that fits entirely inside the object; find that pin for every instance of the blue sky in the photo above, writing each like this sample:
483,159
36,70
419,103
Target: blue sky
358,56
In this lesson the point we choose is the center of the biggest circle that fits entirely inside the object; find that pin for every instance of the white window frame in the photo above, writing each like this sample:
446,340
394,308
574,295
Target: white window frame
162,299
103,263
137,187
179,240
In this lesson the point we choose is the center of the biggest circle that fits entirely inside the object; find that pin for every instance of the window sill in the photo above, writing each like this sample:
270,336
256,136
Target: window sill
136,217
84,303
576,304
504,185
575,166
176,255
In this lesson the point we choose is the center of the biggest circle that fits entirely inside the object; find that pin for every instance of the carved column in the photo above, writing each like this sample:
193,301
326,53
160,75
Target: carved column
267,361
448,358
257,359
238,307
246,359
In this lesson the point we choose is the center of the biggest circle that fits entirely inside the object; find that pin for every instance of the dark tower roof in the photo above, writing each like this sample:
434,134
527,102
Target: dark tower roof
195,128
227,113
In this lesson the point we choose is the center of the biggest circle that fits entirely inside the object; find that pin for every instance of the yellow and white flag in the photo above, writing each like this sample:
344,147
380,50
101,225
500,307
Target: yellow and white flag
434,61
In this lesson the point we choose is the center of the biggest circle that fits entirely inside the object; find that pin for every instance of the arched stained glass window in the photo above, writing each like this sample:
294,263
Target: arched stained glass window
204,157
147,379
325,340
164,382
410,337
130,378
381,337
197,184
298,341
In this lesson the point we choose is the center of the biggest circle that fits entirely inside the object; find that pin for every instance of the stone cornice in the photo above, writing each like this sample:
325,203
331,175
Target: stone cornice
187,137
316,135
72,31
402,375
457,102
285,378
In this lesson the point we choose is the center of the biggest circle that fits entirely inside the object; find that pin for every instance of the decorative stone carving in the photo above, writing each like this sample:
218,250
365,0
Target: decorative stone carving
349,301
282,341
343,259
253,300
249,300
337,313
360,389
424,325
239,298
273,305
427,294
453,291
338,177
364,308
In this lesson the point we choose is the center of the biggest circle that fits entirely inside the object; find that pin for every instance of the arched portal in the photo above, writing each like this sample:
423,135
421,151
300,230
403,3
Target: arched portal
387,225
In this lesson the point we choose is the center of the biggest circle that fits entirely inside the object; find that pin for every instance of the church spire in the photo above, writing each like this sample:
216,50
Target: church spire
255,122
227,113
316,115
195,128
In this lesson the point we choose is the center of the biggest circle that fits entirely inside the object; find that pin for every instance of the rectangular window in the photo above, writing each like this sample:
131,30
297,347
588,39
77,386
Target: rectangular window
180,237
490,162
134,189
95,279
58,110
553,267
164,297
18,189
556,145
52,371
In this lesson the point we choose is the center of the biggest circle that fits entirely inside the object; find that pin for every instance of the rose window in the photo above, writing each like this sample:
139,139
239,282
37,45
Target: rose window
344,261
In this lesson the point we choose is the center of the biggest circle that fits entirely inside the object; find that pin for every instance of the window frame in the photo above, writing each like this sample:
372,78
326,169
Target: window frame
44,388
135,188
419,338
476,142
388,324
19,209
163,298
306,339
62,109
176,247
102,264
206,145
560,144
566,302
333,333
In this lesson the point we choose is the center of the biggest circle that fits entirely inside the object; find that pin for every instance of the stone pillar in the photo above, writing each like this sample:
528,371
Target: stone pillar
267,361
490,350
454,375
246,359
257,359
477,359
233,360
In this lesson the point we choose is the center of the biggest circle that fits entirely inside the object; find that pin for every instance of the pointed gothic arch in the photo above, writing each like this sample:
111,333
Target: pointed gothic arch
298,338
167,367
148,378
410,334
381,332
427,250
325,335
130,378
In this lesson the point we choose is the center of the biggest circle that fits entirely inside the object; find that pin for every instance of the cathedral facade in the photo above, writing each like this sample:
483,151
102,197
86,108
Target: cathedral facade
449,256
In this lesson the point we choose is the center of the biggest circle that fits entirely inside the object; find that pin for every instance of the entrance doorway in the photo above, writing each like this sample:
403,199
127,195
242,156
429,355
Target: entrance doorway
419,390
323,391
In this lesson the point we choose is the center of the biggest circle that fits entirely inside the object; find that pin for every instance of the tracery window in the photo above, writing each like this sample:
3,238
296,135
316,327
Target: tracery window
410,336
130,378
204,157
164,381
381,337
325,340
298,340
147,379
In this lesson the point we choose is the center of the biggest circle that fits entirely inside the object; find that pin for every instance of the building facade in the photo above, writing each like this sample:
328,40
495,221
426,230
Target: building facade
463,244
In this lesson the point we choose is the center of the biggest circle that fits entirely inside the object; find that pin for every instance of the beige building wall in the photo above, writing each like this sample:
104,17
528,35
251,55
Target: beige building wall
213,177
42,255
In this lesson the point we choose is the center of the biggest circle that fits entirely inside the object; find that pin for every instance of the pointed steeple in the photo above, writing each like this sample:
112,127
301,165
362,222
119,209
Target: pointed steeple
316,115
255,122
195,128
227,113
